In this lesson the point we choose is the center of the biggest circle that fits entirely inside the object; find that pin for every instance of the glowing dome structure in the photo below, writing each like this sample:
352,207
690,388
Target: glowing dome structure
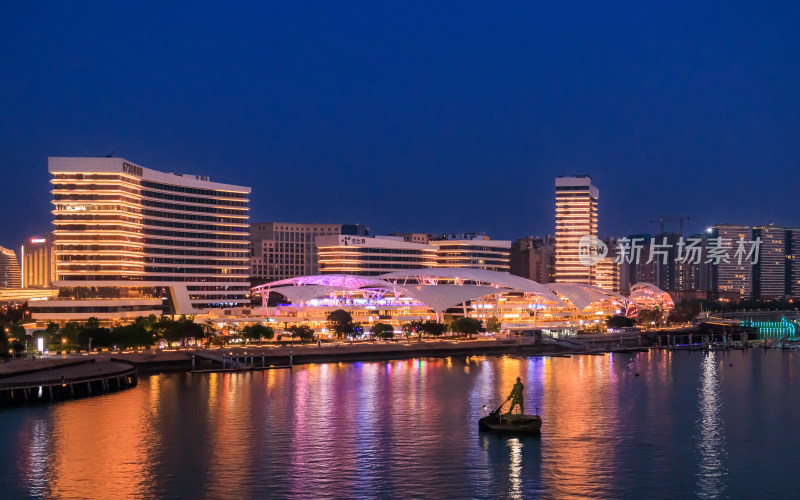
649,296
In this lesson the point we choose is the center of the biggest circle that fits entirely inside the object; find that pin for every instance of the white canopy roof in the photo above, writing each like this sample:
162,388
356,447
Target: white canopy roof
582,296
305,293
341,281
442,297
419,284
503,282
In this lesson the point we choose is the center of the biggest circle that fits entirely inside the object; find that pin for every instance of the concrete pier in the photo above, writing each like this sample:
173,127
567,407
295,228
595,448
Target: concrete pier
42,382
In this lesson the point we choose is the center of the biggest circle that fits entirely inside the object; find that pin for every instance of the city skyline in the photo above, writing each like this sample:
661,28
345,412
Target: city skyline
671,224
399,249
445,111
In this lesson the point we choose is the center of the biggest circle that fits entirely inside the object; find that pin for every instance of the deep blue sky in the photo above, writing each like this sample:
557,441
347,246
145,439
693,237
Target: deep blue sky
415,116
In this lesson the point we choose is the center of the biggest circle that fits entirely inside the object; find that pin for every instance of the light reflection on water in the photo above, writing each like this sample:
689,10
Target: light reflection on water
711,440
689,424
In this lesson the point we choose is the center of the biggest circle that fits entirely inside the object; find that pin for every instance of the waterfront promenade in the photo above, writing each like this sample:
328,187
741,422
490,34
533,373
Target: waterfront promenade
46,380
286,354
64,376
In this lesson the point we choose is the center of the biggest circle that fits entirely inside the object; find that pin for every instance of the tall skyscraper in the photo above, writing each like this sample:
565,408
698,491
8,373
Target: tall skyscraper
576,216
731,276
132,241
771,270
793,262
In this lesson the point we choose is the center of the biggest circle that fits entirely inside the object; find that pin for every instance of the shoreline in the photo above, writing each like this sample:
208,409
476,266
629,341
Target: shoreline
260,357
285,355
255,357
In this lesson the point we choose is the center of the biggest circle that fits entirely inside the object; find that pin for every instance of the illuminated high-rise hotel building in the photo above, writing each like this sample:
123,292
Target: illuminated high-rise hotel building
576,216
771,270
130,241
729,275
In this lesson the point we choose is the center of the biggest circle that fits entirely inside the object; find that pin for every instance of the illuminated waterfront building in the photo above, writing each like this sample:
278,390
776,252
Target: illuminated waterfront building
38,262
477,253
793,262
732,276
133,241
405,295
371,256
606,275
10,275
771,271
576,216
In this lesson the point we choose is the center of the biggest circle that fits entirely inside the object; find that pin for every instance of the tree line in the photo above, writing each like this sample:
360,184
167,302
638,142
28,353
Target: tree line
340,322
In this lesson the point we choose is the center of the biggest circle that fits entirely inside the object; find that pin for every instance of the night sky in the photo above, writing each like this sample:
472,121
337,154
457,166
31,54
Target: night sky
415,116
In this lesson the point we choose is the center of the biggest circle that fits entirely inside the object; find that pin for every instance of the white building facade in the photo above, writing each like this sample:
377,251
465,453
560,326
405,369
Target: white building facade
131,241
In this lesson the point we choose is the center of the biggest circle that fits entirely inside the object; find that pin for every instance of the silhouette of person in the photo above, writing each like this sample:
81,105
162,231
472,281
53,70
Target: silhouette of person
516,397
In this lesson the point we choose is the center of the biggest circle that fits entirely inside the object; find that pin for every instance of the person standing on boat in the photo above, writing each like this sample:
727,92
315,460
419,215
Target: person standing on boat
516,397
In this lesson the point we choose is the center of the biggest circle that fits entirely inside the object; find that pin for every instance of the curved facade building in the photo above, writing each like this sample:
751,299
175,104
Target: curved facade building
10,275
132,241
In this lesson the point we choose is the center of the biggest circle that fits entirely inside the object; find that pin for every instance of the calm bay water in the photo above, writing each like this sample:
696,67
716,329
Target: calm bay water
690,425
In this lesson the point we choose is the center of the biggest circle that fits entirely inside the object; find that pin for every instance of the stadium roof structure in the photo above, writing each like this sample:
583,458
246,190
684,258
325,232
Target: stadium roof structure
427,286
582,296
443,288
502,282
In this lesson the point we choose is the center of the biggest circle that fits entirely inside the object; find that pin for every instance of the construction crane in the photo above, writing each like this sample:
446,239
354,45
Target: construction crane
661,220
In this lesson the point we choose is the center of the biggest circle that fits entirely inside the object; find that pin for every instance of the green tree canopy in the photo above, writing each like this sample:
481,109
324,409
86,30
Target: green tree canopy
433,328
341,323
467,326
383,331
493,325
618,321
3,343
133,335
258,331
303,332
17,331
71,331
649,316
101,337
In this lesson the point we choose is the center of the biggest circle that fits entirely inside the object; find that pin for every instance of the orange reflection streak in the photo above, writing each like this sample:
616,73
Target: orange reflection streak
582,409
229,448
100,446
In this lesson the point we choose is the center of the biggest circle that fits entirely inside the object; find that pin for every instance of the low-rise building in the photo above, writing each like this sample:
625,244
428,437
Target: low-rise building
371,256
38,262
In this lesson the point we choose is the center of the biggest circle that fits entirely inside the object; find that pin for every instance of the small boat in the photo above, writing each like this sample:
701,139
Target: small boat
510,424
